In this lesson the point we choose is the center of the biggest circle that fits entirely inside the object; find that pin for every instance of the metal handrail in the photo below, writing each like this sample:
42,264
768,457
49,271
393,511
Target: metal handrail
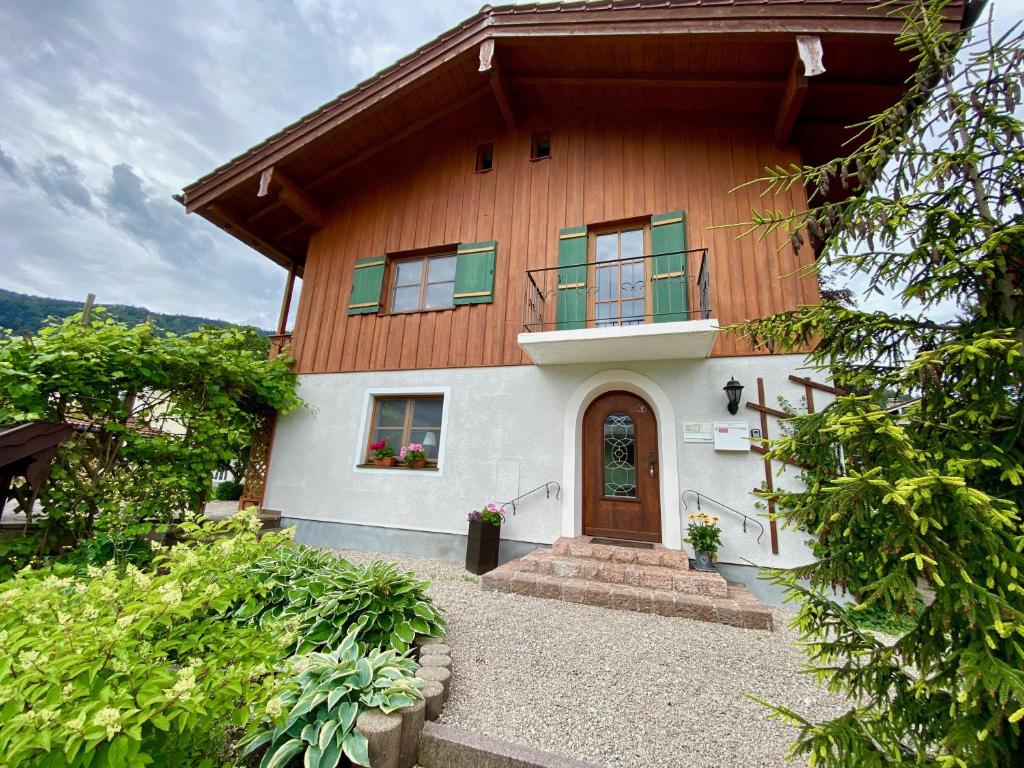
543,284
699,495
547,494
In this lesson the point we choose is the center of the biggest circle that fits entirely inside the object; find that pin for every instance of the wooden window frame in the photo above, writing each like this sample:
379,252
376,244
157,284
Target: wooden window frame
535,141
480,151
406,426
607,229
392,275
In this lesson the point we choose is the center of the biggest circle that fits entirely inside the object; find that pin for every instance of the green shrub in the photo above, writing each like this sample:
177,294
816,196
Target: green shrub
125,667
323,597
228,490
317,714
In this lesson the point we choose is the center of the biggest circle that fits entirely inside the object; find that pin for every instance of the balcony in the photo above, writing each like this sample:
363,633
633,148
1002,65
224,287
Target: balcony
644,308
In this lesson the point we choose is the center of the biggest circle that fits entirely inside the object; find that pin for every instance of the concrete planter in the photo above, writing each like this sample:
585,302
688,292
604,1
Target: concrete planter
482,547
703,561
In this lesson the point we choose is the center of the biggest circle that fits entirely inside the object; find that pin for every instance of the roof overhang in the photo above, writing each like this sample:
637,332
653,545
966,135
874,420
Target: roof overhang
693,55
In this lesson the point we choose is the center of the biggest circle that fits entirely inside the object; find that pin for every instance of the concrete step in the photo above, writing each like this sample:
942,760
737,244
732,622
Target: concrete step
583,547
444,746
633,574
738,608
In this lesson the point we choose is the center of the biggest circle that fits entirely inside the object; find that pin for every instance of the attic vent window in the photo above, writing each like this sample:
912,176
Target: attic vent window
540,147
484,158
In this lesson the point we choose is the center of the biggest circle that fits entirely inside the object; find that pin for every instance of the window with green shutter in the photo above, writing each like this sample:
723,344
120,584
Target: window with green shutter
669,295
571,302
367,278
474,273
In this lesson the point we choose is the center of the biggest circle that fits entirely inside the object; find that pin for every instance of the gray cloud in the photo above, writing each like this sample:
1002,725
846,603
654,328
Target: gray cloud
8,167
62,181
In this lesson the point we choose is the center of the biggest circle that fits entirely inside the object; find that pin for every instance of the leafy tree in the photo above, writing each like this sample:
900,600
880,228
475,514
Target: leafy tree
155,414
932,496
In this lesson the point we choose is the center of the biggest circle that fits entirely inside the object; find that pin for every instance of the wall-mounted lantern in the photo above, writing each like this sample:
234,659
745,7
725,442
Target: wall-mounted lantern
733,390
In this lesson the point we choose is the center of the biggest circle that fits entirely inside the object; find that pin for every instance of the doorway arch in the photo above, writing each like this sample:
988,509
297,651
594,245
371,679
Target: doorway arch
572,466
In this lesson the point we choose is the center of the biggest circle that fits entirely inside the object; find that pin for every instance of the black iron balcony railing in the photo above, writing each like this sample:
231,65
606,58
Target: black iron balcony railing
656,288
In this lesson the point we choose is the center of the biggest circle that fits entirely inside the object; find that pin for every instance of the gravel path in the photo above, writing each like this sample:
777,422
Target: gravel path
613,687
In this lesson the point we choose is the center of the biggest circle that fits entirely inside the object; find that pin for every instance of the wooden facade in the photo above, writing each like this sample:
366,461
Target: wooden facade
601,169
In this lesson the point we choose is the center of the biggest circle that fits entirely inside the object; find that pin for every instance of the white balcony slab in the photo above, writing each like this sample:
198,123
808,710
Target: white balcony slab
686,339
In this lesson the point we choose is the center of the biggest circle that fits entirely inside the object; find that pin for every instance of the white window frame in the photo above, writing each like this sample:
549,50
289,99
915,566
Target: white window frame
369,395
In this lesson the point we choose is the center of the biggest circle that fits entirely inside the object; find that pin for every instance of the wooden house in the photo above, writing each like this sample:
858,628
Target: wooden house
510,253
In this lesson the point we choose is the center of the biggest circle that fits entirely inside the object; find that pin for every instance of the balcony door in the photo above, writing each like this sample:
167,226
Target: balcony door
619,279
621,489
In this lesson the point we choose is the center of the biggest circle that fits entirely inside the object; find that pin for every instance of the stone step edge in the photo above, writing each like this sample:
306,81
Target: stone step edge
739,609
582,548
445,746
711,584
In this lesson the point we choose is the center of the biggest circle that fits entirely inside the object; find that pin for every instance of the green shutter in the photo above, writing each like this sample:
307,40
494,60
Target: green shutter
571,309
474,273
366,282
670,296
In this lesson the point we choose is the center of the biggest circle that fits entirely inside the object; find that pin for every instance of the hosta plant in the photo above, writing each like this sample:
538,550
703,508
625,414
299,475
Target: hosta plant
322,598
121,667
315,716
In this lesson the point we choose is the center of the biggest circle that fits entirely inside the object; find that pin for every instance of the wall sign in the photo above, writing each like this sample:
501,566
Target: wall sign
697,433
732,436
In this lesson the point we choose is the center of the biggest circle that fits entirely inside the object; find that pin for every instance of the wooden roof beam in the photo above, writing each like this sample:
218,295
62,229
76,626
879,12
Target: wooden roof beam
289,194
235,225
806,63
488,64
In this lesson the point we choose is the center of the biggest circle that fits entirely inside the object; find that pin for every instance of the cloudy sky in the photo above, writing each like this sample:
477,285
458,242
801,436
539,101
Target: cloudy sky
108,107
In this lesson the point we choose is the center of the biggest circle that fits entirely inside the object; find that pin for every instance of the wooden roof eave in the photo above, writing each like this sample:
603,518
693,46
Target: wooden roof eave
512,22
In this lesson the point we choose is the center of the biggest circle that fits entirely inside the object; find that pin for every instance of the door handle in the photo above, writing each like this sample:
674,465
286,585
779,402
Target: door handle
650,463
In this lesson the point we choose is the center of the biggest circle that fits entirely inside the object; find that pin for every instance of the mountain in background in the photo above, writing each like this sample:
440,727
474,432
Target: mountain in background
22,313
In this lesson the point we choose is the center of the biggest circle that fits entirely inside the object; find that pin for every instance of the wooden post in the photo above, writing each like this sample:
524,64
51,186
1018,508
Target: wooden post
286,301
769,481
90,300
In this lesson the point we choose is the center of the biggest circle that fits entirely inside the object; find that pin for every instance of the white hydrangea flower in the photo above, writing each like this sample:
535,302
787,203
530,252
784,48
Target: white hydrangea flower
109,718
171,594
275,708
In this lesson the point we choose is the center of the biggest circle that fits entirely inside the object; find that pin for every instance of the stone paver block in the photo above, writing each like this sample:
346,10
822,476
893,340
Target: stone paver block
523,583
580,550
754,618
436,660
663,603
433,697
566,569
612,573
648,557
548,587
599,594
383,737
656,580
438,648
574,592
622,598
625,555
730,614
496,581
436,675
695,607
412,725
424,641
444,746
673,558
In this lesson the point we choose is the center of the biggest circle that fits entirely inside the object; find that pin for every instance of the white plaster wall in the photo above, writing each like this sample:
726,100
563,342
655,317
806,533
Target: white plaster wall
506,433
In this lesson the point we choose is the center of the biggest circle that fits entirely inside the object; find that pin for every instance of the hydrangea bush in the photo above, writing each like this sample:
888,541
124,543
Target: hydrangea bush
131,667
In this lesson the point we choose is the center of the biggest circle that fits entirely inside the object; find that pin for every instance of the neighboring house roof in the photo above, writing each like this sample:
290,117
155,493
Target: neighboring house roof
621,46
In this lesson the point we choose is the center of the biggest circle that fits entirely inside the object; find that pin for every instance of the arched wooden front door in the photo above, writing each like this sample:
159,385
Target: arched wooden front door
621,497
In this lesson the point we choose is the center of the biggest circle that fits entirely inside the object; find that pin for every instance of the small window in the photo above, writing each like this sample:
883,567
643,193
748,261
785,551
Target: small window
540,147
422,283
402,420
484,158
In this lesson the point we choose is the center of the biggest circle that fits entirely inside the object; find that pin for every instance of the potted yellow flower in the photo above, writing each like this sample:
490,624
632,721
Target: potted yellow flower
704,535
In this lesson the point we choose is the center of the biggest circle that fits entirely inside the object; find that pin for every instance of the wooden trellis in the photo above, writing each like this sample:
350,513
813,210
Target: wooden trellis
259,461
764,411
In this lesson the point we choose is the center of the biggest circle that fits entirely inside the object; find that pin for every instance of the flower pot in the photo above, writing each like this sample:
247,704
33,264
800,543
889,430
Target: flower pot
416,464
387,461
482,547
703,561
